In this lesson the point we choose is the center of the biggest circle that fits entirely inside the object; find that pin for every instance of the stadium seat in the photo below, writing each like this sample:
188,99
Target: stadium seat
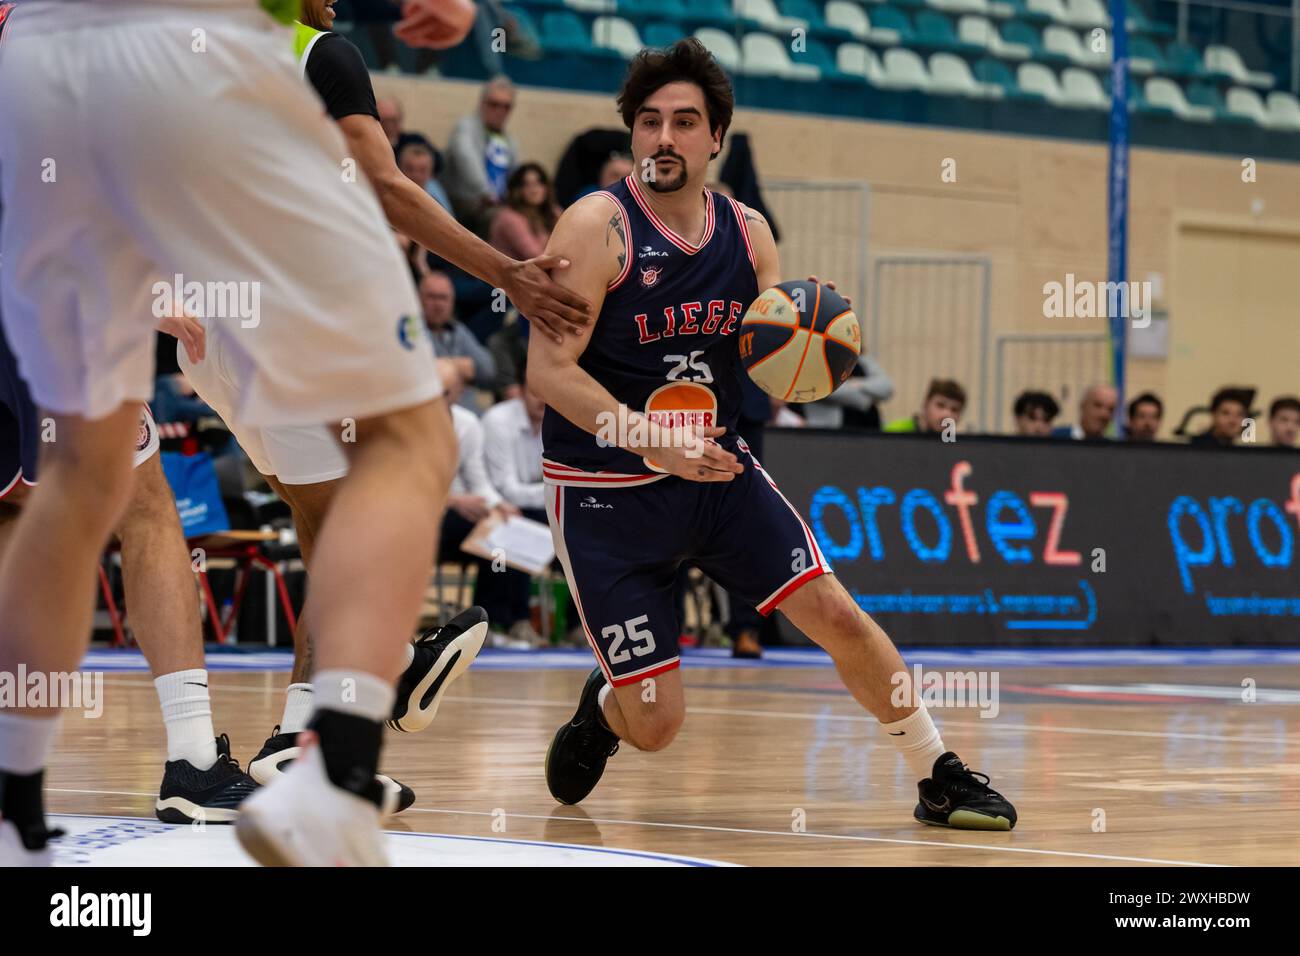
762,54
592,6
1223,59
811,13
1086,13
950,75
819,55
1053,9
764,13
666,9
1082,89
859,60
1036,78
1139,24
1242,101
1283,110
1182,60
1162,91
993,72
722,46
1138,103
710,13
934,32
615,33
981,32
564,32
1023,34
853,19
891,18
1144,57
1066,42
960,6
905,70
1207,96
662,34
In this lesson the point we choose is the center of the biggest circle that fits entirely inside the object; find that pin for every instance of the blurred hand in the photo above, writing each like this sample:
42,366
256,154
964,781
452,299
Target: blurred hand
435,24
189,332
453,379
542,301
473,508
691,453
506,510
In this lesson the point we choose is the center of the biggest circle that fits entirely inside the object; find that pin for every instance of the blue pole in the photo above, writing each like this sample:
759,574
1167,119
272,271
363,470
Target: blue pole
1117,201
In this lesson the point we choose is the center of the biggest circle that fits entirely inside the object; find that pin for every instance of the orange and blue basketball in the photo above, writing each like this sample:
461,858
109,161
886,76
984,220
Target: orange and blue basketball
799,341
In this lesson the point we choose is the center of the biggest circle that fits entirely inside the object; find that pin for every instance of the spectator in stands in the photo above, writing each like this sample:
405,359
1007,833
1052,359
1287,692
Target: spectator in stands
617,167
418,161
391,118
1144,416
509,348
1034,413
1284,421
512,446
1096,412
1228,410
855,403
452,340
945,400
480,155
522,226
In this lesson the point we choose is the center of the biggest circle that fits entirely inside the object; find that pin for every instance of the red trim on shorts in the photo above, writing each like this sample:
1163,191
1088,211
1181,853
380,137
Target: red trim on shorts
772,603
573,584
643,675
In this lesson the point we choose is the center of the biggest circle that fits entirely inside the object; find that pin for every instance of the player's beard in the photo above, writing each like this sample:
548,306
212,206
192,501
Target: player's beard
672,184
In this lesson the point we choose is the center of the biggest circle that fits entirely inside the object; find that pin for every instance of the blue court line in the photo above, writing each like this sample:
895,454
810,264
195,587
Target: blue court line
234,660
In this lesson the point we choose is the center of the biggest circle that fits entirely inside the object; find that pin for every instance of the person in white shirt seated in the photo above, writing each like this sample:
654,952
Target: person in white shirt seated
512,448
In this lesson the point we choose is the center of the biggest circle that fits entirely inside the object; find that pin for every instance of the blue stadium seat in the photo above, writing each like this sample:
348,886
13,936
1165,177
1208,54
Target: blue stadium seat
891,18
934,32
1183,60
997,73
820,56
812,13
1016,32
662,34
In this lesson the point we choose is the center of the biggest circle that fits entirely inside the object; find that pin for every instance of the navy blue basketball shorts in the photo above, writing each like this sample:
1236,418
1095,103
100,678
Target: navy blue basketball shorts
621,549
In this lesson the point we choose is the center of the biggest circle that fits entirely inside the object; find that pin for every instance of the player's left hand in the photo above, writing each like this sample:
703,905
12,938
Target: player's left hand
831,285
190,332
435,24
544,302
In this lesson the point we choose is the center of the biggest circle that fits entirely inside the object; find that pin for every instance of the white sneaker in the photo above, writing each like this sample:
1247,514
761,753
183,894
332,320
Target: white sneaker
13,853
301,819
441,655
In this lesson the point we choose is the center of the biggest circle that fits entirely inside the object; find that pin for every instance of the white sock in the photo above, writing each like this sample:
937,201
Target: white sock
409,656
25,742
297,708
917,739
187,715
354,692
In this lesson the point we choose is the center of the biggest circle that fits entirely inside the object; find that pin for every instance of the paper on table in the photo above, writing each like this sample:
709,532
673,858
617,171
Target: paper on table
521,542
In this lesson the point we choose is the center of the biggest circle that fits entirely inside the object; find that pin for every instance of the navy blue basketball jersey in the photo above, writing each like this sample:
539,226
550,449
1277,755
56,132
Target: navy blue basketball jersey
664,343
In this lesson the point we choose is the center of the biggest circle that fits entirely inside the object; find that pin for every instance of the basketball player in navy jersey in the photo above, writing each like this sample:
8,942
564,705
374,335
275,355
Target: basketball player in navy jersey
672,267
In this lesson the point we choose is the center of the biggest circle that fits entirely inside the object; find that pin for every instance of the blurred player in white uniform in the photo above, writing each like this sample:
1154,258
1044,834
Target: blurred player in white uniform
174,142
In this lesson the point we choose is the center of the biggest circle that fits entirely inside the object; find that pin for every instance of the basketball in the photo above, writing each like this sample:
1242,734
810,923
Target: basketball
799,341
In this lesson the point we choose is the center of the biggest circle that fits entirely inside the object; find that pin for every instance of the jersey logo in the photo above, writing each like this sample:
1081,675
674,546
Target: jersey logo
650,251
681,403
650,275
408,332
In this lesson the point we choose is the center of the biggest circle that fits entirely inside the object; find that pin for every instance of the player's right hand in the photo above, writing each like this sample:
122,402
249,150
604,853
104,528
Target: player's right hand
694,454
544,302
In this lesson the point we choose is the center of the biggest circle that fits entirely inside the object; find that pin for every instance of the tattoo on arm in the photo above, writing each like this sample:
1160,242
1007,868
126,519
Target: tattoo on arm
751,216
615,227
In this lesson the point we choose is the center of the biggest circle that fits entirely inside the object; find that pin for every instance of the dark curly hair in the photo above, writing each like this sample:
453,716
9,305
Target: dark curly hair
688,60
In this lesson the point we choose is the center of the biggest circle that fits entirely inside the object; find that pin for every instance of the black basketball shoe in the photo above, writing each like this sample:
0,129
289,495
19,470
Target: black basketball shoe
441,655
955,796
577,755
280,750
190,795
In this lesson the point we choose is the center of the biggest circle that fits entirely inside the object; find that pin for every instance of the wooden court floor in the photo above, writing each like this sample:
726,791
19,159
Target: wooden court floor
777,765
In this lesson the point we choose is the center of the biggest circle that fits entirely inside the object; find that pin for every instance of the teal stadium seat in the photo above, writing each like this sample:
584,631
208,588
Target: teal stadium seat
1203,94
891,18
819,55
565,33
997,73
1144,56
812,13
934,32
1183,60
662,34
1025,35
1022,12
711,13
659,9
1139,24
